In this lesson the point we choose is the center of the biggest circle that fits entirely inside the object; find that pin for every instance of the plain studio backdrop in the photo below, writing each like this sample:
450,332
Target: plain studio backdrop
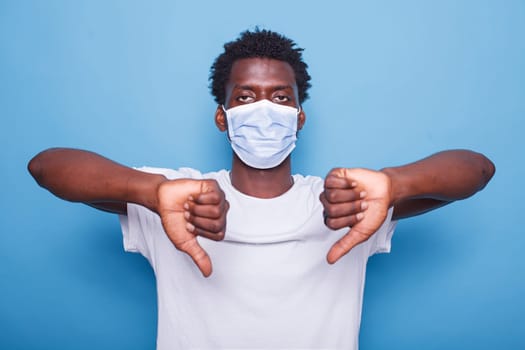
393,81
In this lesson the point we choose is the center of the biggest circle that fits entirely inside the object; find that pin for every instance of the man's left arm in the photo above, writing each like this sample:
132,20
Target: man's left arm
411,189
437,180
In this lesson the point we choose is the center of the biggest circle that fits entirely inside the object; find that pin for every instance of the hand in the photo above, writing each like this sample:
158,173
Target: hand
358,199
191,208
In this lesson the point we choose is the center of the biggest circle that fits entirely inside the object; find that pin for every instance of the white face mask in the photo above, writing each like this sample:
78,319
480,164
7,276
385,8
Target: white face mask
262,133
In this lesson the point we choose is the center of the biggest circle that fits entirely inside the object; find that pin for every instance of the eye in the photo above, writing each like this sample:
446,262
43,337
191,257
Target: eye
245,99
281,99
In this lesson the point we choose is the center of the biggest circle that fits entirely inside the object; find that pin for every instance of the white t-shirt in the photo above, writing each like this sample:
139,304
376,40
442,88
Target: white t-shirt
271,286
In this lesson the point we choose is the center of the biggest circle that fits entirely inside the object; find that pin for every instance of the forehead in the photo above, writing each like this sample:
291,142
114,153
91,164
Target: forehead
261,71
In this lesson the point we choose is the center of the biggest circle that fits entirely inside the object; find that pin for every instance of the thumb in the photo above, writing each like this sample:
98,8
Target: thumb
344,245
198,255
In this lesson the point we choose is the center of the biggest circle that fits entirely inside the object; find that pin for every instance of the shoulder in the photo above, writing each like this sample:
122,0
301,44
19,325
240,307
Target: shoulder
309,183
184,172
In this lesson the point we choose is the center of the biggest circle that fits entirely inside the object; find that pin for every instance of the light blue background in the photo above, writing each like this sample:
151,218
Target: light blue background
393,81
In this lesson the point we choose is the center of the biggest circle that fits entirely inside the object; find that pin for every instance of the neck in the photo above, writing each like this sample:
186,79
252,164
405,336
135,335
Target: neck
261,183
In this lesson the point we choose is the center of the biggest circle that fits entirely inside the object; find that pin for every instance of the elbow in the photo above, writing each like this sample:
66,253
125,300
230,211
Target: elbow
35,168
37,165
488,169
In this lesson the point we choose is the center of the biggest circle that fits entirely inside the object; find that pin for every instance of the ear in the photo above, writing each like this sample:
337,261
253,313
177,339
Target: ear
220,119
301,119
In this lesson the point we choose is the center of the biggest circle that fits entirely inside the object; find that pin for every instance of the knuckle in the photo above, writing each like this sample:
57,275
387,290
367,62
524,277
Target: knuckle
211,182
214,197
215,226
198,232
338,172
199,254
330,211
331,223
215,237
331,196
187,246
334,171
216,212
344,244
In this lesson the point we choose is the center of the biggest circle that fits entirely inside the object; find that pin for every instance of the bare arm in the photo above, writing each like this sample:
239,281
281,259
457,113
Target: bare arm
187,208
82,176
437,180
411,189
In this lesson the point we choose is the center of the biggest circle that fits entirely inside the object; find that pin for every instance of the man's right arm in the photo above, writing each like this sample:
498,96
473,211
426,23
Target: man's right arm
187,208
82,176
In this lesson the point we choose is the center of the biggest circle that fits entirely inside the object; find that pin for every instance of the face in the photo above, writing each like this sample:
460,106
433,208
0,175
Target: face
254,79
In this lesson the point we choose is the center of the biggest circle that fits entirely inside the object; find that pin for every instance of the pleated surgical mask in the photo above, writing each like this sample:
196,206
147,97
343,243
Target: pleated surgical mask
262,134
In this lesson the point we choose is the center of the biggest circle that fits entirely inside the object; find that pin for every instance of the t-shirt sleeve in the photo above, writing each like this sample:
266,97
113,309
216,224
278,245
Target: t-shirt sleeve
380,242
142,228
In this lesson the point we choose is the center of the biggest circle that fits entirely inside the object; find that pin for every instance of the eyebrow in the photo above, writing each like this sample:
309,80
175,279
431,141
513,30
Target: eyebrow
282,87
275,88
242,87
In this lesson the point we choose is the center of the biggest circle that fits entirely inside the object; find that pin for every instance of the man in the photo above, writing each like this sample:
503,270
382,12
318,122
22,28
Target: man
273,237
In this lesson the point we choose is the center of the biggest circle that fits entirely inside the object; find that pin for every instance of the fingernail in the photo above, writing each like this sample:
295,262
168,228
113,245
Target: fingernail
359,216
190,227
362,194
187,215
186,205
353,184
364,205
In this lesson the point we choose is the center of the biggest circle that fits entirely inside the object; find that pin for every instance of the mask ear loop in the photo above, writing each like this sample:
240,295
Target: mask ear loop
297,131
227,124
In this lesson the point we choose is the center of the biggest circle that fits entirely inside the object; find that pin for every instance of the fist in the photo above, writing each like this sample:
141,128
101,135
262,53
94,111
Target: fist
358,199
190,208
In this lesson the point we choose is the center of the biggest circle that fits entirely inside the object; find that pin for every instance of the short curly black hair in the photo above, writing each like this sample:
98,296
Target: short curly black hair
259,43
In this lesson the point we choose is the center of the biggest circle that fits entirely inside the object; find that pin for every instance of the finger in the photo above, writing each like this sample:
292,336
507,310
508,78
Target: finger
214,236
344,245
213,197
345,221
211,229
330,197
334,181
322,198
198,255
345,209
342,209
343,195
211,211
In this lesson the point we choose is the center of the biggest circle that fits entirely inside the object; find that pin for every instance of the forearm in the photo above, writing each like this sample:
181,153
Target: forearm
446,176
82,176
